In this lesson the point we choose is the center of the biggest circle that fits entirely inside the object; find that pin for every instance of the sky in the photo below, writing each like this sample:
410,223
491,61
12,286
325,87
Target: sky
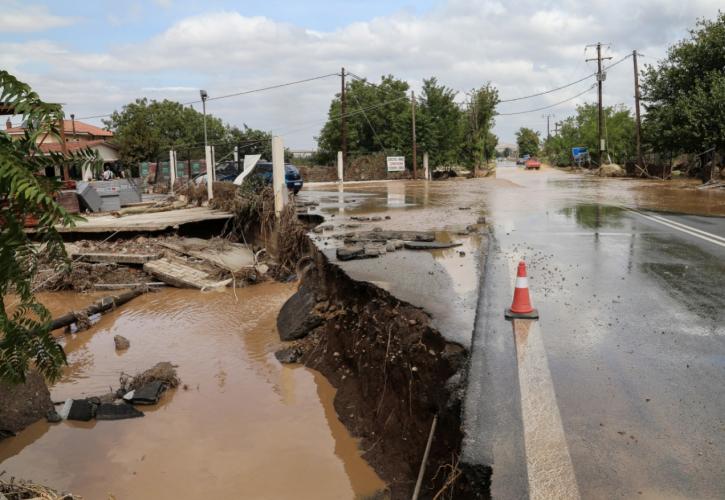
94,57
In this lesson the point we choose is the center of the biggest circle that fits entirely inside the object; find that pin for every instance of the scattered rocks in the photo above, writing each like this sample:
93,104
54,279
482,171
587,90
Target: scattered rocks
360,218
376,218
481,220
122,343
391,235
354,252
289,355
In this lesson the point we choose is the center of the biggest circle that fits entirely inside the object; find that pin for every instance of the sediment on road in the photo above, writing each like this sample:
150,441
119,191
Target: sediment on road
393,373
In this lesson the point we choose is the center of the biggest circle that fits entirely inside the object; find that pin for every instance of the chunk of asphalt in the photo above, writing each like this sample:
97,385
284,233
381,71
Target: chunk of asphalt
79,409
112,411
148,394
296,318
429,245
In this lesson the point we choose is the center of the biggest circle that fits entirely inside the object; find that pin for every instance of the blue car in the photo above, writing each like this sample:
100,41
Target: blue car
263,171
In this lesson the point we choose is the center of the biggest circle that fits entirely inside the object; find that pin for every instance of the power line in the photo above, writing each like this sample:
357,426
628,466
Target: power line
550,106
235,94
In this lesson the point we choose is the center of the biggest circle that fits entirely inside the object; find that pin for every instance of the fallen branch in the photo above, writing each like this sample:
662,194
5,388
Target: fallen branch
101,305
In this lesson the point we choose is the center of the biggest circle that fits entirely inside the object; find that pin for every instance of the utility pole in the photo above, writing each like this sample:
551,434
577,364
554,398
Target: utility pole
638,127
600,80
415,145
556,128
343,119
64,149
548,128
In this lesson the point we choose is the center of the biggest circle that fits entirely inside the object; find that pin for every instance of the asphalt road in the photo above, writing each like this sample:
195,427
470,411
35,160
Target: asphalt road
622,380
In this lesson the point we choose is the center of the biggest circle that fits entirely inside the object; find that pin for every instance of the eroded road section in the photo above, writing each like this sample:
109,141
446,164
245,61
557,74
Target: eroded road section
632,329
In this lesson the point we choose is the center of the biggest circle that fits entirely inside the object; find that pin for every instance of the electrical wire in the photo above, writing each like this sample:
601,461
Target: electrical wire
549,106
235,94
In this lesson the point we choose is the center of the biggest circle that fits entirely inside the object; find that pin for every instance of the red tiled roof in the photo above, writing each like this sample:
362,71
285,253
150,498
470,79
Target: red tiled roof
56,147
81,128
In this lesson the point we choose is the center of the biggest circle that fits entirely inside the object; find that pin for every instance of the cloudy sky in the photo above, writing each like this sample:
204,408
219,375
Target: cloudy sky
96,56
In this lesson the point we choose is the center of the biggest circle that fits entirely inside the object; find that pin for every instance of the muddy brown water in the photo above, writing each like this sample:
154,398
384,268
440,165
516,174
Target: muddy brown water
245,426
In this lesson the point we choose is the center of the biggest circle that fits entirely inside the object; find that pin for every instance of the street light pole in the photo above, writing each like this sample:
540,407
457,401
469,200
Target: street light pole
204,97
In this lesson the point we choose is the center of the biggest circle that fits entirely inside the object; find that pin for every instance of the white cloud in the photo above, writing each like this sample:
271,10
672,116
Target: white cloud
522,46
18,18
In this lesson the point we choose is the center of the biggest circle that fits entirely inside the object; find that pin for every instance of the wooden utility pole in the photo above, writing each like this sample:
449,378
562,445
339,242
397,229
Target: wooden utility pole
343,119
600,118
638,127
415,145
548,128
556,128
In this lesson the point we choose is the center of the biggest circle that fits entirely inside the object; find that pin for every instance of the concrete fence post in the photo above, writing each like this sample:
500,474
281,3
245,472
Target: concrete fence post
172,169
339,166
209,170
278,174
426,173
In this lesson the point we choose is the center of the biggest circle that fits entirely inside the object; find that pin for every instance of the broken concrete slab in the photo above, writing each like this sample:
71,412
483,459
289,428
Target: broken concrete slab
117,411
430,245
78,409
176,273
297,317
224,254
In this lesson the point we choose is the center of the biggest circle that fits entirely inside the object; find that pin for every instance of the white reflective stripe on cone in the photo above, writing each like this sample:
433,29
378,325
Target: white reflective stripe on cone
522,282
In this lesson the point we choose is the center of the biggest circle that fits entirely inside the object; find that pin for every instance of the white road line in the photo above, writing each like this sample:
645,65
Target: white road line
548,462
703,235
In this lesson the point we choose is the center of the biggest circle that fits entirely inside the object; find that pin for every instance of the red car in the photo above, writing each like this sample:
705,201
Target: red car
532,163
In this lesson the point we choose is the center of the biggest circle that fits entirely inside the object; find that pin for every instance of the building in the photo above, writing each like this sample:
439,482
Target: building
78,135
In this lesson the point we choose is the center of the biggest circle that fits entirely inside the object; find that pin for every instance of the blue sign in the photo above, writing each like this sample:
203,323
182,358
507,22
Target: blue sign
579,152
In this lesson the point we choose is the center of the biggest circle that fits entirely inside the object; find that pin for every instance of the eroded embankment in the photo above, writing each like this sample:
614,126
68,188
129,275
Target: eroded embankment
393,373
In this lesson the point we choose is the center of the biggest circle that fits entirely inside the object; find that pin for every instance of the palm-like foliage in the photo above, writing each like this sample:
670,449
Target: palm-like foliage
25,338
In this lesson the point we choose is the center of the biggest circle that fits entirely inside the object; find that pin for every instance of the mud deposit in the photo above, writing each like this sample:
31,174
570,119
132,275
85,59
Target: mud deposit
240,426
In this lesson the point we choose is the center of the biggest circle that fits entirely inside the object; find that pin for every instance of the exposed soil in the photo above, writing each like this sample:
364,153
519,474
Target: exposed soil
393,372
361,168
23,404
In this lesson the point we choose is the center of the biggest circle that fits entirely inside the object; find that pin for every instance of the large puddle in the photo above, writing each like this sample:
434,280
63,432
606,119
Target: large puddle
242,426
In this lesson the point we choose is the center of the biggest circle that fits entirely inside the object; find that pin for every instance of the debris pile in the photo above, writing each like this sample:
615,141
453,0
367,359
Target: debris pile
20,489
146,388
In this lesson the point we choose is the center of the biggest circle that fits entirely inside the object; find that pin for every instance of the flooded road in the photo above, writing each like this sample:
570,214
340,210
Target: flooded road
241,425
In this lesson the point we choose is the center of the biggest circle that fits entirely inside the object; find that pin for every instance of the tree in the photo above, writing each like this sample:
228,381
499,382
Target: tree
581,131
439,123
684,94
24,322
379,119
527,141
479,143
146,131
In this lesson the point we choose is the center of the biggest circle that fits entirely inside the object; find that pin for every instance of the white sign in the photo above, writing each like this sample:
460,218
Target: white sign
396,163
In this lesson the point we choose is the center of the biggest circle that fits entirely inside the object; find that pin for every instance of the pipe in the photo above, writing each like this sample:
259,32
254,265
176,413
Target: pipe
421,472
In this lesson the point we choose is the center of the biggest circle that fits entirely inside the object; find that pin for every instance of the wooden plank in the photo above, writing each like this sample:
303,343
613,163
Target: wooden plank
116,258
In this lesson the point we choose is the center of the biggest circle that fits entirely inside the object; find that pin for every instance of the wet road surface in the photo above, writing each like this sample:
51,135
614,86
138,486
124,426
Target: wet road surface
245,426
632,333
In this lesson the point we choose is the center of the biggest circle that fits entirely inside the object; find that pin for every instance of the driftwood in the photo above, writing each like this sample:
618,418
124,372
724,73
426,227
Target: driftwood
99,306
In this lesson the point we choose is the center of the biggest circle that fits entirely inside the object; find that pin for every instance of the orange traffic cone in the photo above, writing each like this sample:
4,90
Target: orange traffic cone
521,306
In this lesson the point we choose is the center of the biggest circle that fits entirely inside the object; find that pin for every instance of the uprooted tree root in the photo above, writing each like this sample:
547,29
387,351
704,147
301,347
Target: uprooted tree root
18,490
393,372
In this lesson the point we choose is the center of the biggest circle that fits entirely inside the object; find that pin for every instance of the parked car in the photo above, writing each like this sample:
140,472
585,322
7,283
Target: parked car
263,171
532,163
522,160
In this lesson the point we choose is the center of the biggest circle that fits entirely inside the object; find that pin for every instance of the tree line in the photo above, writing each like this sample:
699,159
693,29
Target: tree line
379,120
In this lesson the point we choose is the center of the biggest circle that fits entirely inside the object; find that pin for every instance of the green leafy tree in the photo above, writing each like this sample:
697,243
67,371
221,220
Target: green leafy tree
528,141
439,124
378,120
581,131
684,95
479,143
25,337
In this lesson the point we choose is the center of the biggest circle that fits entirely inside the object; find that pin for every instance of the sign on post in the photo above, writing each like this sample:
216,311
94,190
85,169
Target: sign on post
396,163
